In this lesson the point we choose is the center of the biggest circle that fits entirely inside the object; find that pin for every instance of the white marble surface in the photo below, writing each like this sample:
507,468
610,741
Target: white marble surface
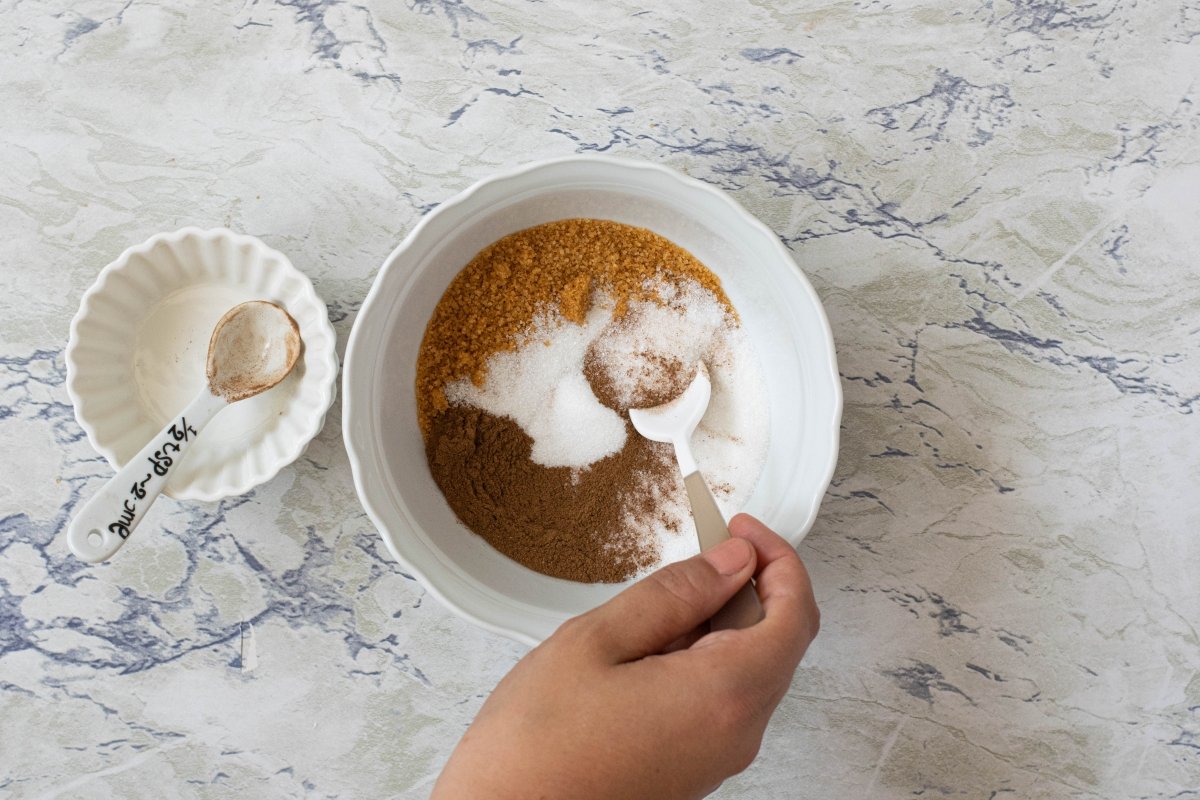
998,201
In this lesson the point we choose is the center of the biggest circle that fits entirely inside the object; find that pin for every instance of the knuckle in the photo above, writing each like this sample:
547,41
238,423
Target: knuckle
736,709
745,751
730,718
680,587
576,632
571,629
739,727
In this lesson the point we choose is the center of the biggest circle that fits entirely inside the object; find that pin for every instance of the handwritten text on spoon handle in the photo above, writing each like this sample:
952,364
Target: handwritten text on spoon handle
179,435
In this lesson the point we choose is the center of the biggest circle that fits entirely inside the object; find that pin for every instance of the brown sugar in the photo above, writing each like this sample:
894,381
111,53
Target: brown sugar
558,265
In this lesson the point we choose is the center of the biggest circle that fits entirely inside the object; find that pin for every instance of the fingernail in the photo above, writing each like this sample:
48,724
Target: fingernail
729,557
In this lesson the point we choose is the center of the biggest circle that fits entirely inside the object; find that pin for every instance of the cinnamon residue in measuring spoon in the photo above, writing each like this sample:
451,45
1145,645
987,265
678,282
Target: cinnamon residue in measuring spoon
253,347
652,380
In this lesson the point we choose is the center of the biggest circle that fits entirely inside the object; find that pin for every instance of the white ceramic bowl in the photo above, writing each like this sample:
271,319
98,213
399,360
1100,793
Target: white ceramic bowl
138,346
779,310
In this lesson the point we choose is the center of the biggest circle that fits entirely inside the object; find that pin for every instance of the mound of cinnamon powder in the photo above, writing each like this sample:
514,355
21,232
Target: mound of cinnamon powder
573,526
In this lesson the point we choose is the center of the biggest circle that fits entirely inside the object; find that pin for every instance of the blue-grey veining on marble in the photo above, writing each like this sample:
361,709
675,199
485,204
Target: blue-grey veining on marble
996,201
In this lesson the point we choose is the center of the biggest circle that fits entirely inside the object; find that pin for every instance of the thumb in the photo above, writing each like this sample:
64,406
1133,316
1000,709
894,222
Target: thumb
669,603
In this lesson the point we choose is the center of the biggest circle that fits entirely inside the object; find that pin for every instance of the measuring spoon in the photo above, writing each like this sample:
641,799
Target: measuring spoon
674,423
253,347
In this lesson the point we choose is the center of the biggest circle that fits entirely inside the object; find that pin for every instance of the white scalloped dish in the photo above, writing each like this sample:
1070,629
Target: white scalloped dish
138,345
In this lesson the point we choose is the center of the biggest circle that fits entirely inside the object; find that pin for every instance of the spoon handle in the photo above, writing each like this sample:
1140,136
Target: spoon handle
105,522
743,609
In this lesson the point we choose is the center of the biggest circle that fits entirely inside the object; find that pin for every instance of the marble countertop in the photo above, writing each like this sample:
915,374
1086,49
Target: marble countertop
997,200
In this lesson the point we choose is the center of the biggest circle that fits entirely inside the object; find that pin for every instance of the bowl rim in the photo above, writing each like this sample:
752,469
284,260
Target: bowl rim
359,457
325,357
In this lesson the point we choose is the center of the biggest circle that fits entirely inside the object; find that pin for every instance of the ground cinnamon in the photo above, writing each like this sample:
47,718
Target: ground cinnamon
551,519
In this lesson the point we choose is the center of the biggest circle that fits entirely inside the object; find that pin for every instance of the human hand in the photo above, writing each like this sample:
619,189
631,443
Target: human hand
634,699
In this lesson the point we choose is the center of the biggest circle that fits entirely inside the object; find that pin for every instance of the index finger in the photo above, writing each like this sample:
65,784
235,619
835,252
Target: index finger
791,618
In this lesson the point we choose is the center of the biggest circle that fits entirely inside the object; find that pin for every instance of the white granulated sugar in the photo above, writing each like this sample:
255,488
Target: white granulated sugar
733,435
541,387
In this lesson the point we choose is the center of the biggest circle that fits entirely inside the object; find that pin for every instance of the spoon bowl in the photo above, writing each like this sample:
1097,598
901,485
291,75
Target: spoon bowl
675,421
253,347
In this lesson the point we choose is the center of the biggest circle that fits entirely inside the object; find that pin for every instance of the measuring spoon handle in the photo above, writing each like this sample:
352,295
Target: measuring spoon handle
743,609
105,522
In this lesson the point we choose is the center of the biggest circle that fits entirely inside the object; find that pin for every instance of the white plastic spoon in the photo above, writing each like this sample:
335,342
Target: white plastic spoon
253,347
674,423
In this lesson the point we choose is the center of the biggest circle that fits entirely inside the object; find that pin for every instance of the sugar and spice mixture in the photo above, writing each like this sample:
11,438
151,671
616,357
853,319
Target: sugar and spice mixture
525,376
